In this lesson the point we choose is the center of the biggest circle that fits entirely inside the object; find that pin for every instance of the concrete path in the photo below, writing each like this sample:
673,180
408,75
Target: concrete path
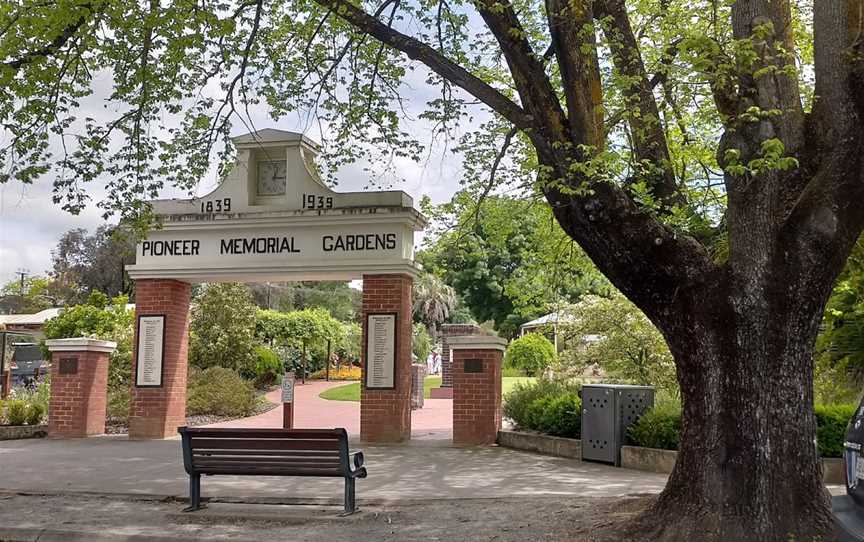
430,471
433,422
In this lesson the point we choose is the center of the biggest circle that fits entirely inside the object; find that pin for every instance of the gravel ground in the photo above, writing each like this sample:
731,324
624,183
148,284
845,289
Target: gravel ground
501,520
115,426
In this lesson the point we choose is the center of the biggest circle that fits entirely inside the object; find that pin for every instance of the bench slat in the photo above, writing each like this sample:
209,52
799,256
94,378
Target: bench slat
312,462
220,432
276,465
206,452
269,444
241,471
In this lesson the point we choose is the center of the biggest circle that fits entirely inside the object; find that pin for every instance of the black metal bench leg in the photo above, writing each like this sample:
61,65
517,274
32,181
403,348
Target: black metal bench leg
350,505
194,493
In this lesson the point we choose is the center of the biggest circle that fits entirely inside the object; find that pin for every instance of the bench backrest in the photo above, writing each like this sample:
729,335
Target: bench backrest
275,452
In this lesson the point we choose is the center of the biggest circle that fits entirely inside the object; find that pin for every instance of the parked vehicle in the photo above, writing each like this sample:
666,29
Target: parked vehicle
849,508
27,365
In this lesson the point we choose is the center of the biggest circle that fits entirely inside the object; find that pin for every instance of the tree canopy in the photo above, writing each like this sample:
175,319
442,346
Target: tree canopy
507,258
705,155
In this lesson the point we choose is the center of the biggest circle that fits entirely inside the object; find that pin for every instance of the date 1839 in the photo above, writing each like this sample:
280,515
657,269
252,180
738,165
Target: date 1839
216,206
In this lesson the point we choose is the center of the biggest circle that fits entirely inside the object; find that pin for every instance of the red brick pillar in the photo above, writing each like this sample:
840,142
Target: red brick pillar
157,412
385,414
79,387
476,388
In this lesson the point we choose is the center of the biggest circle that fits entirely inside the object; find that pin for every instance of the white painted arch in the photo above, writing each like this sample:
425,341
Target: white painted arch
309,232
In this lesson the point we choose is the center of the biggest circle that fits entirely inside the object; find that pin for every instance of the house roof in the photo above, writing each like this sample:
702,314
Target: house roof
38,318
551,318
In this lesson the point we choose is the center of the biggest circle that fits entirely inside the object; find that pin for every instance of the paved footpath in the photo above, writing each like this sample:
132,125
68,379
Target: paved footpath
433,422
430,470
110,488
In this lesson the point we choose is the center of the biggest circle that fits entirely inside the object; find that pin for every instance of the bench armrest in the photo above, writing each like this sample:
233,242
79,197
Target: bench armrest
359,471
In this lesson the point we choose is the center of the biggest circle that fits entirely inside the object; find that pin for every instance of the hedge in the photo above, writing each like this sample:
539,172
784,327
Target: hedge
661,428
831,423
548,406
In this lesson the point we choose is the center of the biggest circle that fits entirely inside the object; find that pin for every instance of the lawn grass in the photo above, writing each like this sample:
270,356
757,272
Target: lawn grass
351,392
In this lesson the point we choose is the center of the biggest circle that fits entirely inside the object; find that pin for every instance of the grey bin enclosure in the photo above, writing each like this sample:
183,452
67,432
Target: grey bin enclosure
607,411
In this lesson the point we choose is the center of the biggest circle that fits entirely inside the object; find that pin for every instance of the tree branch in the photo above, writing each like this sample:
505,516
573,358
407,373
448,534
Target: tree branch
838,48
649,138
529,75
579,70
55,45
417,50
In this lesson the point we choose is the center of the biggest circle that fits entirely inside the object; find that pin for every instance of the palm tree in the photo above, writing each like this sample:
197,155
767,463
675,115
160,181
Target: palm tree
433,302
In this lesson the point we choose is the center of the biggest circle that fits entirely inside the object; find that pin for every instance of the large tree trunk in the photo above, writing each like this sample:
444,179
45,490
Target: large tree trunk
747,468
743,341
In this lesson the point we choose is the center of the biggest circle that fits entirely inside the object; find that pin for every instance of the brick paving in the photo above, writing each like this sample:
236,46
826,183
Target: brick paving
433,422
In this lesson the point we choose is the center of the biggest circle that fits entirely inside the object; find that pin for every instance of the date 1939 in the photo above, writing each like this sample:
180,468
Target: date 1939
312,201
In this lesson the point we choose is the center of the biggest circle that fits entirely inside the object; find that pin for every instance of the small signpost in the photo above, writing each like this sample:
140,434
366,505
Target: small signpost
288,401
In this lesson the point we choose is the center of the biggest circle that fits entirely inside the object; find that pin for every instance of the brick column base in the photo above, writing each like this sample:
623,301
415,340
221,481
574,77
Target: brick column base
156,413
476,389
385,415
79,387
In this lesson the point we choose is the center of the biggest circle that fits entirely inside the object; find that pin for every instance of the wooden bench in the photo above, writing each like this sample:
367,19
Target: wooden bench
269,452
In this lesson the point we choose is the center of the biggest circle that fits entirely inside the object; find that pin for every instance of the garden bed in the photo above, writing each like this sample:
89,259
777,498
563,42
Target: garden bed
662,461
530,441
121,427
14,432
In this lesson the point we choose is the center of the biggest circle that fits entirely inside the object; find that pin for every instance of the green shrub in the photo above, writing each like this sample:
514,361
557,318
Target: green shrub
831,424
35,413
562,416
221,392
550,406
531,353
16,412
267,367
660,428
118,403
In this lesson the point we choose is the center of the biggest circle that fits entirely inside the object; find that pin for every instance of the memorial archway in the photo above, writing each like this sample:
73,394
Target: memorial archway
272,219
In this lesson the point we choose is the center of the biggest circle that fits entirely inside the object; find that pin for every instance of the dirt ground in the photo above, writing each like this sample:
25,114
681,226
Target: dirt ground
94,517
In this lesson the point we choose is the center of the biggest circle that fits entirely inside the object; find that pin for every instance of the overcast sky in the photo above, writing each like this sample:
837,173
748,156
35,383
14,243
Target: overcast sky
31,224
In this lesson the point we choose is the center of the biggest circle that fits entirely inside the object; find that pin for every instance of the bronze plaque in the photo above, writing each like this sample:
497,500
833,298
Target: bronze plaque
473,365
68,366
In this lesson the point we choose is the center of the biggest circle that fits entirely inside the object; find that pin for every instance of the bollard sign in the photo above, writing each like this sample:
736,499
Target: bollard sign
288,388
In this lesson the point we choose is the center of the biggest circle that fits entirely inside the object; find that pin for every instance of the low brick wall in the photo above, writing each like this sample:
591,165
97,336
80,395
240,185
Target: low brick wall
663,461
14,432
832,471
648,459
541,444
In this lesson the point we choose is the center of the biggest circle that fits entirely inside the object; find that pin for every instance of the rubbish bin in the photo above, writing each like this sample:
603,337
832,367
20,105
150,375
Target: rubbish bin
607,411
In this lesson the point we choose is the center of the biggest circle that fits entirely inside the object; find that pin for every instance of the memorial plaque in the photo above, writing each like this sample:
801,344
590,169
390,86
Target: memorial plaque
151,351
288,388
473,365
68,366
381,351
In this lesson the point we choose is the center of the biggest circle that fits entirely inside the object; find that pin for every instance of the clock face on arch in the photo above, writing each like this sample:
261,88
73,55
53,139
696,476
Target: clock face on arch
271,177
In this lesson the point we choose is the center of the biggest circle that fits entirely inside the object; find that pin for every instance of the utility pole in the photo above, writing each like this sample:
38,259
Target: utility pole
23,274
